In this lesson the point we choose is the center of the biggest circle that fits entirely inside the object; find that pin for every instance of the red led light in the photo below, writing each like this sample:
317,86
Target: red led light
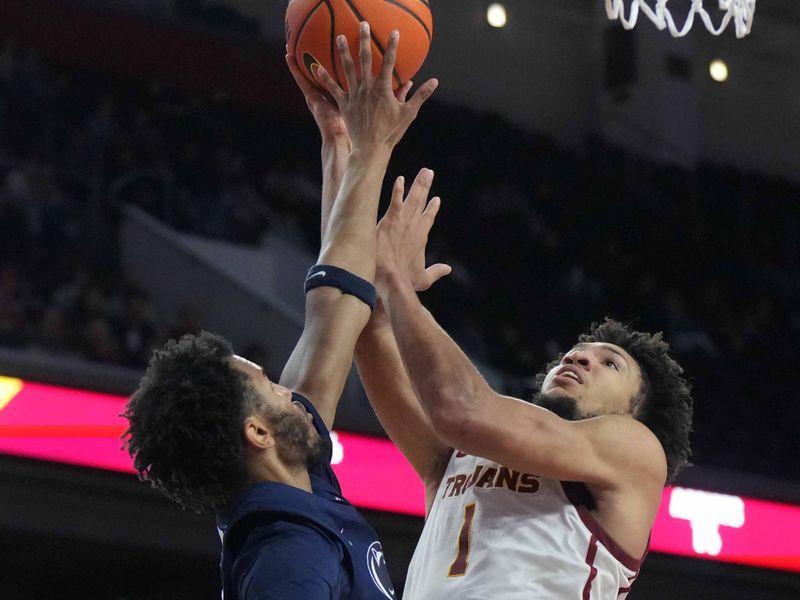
84,428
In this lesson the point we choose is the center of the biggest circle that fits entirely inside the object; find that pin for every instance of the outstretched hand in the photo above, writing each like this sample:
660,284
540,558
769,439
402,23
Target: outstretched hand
374,114
324,110
403,235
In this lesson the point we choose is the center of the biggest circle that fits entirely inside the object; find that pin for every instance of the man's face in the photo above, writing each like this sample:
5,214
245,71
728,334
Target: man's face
297,442
591,379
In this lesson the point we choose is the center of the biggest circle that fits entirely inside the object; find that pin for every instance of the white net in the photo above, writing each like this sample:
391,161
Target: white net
739,11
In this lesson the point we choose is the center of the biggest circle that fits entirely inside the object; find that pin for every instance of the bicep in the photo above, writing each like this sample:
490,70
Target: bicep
605,451
289,561
319,365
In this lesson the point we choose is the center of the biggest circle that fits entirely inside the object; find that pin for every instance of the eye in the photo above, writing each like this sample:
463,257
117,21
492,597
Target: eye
609,362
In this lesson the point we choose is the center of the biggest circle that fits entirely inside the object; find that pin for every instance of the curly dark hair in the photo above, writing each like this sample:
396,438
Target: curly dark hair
664,403
185,422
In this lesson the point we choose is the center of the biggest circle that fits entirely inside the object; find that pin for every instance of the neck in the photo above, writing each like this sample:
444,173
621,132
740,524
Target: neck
279,473
300,480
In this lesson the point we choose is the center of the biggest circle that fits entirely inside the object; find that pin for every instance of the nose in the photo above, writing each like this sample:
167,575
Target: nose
577,357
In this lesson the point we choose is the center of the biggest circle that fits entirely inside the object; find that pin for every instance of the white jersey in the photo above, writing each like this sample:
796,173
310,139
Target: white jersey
493,533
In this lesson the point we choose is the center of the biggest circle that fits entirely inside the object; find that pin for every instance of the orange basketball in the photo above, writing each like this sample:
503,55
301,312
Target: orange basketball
313,25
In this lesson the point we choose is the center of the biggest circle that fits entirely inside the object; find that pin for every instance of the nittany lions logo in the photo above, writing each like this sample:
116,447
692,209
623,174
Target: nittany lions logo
311,64
376,563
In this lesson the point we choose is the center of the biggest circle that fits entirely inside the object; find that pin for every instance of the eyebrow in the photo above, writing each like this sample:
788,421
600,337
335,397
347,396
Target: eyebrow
607,347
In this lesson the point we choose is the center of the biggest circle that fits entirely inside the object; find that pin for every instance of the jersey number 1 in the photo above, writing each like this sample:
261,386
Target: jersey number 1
460,564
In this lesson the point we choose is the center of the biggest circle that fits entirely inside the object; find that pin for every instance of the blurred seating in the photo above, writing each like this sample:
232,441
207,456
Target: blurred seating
544,238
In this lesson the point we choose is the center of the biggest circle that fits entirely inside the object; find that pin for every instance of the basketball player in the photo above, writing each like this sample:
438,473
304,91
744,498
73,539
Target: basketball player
548,499
212,432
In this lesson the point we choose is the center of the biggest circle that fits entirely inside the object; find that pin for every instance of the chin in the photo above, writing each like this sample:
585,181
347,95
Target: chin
558,401
559,392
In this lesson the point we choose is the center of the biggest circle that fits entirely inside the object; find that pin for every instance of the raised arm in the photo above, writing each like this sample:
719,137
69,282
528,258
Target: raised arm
336,143
378,358
608,451
375,120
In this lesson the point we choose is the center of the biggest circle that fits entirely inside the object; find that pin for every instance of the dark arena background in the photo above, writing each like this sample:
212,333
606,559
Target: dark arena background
159,174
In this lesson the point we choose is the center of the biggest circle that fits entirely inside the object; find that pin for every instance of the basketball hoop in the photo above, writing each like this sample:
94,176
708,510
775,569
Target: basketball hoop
740,11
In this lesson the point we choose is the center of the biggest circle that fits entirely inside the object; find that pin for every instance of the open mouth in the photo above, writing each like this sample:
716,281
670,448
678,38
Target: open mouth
570,373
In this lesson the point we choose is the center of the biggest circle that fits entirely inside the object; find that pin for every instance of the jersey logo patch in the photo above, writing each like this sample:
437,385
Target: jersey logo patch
376,564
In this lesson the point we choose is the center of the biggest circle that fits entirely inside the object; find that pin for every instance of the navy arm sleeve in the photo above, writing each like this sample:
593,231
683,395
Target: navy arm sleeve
289,561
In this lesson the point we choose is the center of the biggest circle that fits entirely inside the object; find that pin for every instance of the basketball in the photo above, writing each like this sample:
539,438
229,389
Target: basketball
313,25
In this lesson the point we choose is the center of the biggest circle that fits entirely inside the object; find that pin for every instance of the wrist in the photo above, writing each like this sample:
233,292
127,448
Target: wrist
374,151
336,143
389,283
379,324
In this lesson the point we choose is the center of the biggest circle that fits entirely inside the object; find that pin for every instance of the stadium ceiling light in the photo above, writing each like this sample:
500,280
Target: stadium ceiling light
718,70
496,15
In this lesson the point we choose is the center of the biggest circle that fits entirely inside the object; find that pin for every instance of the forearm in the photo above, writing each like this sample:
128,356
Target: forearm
450,389
319,364
335,152
394,400
348,240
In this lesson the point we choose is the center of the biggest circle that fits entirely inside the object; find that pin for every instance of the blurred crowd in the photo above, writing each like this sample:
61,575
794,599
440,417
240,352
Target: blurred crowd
217,15
543,239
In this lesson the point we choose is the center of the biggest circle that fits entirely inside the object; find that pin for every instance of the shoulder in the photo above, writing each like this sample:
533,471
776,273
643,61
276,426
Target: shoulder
291,537
289,560
634,470
629,446
617,424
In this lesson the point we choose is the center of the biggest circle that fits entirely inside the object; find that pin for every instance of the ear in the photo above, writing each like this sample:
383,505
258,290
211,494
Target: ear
257,434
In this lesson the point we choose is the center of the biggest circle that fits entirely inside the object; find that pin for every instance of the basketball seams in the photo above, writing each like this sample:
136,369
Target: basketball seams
315,36
413,14
426,3
333,43
305,22
375,39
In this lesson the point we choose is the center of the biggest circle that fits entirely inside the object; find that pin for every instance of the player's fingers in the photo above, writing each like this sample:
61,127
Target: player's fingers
431,210
402,92
424,92
418,194
330,84
308,88
436,272
398,190
389,60
365,53
347,63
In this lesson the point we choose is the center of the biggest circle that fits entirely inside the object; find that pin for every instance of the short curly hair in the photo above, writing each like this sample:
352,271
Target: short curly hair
185,422
664,403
